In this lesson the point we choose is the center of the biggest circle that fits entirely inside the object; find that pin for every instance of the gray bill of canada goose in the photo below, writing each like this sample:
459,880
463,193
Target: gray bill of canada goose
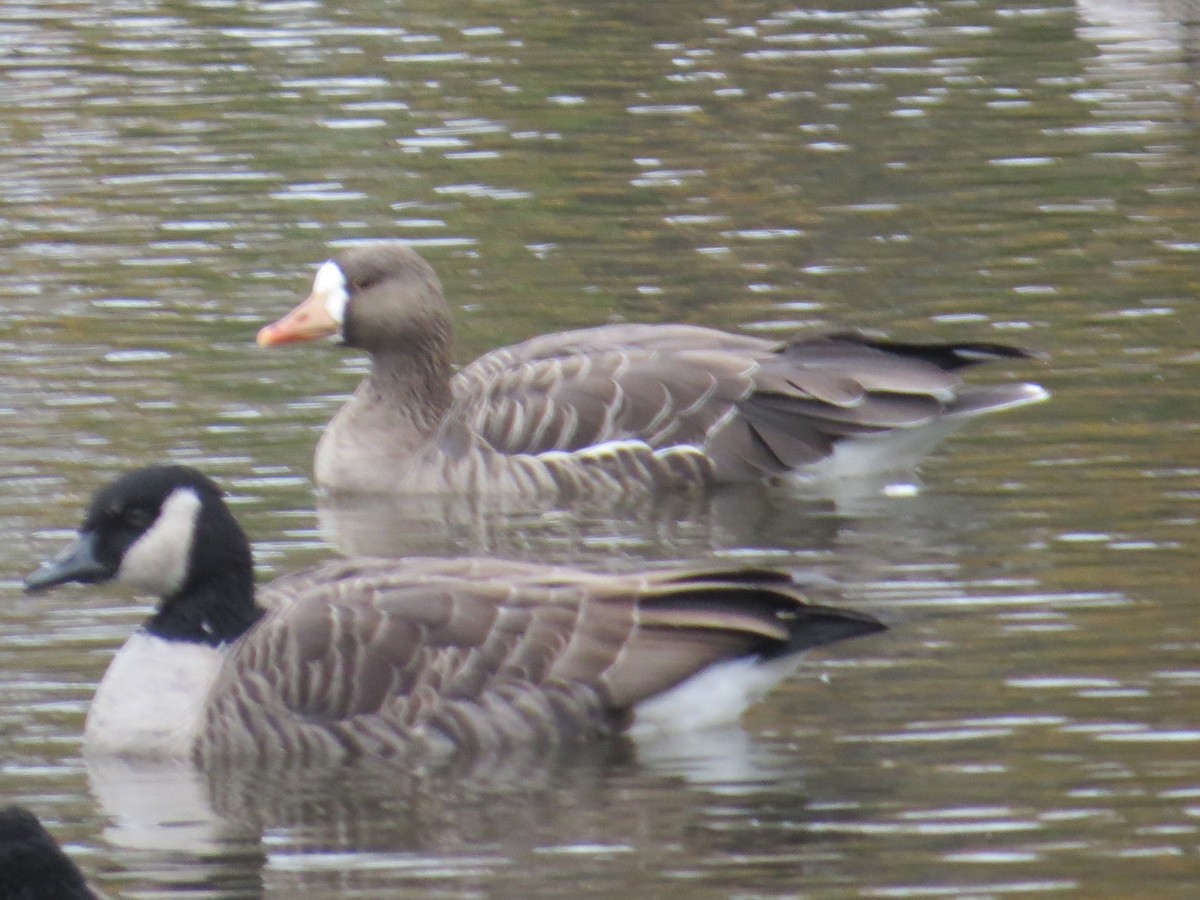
377,658
32,864
618,407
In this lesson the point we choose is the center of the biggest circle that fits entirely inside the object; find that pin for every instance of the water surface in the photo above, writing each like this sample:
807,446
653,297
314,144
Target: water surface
171,175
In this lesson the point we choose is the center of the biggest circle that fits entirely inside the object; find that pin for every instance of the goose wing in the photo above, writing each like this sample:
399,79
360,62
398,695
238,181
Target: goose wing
814,392
748,406
665,386
378,658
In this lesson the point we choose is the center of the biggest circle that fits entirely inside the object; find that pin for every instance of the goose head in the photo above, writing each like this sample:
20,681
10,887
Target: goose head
165,531
376,297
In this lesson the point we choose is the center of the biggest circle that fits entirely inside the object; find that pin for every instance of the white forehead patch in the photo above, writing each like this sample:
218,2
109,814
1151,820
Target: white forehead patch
157,562
330,287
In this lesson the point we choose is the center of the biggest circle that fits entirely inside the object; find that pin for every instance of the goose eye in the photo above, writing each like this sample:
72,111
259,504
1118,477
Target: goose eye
137,517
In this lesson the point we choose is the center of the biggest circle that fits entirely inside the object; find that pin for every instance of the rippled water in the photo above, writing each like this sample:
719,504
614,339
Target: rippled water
171,173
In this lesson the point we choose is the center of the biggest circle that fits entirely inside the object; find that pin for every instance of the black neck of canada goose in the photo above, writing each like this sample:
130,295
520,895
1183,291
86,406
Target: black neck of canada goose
214,611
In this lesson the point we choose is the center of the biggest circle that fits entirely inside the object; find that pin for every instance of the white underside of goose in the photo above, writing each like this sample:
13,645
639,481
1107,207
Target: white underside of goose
151,700
712,698
898,451
876,456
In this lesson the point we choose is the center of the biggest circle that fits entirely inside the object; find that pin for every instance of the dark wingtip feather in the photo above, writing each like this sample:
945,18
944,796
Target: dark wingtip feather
948,357
770,605
815,626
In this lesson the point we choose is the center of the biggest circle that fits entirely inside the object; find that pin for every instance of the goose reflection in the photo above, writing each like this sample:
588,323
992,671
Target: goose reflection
267,826
671,526
754,524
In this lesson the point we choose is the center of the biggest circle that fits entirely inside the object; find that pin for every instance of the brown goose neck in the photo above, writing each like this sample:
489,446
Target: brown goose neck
417,384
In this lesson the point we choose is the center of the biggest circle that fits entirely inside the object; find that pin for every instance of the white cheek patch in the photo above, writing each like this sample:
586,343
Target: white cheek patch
157,562
330,288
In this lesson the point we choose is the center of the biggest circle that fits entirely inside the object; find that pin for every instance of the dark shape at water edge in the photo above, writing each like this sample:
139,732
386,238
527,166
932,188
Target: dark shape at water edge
32,864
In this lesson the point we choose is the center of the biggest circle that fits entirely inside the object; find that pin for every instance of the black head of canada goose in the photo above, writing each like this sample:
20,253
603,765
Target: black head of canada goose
619,407
32,864
383,658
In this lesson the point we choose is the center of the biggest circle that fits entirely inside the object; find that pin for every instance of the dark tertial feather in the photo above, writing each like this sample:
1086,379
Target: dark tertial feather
867,363
950,357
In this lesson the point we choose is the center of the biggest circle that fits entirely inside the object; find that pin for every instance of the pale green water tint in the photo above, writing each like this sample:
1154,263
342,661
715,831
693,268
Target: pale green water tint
172,173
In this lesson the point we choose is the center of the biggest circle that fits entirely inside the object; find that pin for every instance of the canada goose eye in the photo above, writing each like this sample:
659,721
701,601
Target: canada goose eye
137,517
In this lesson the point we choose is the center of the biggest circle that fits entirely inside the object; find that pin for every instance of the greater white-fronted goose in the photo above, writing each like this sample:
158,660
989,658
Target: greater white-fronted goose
380,658
32,864
616,408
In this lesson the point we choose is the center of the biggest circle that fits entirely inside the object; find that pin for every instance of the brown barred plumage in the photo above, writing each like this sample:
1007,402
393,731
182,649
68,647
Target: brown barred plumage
432,656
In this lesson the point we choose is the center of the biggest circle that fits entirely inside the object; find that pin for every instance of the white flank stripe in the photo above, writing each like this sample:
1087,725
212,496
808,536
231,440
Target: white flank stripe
596,451
616,448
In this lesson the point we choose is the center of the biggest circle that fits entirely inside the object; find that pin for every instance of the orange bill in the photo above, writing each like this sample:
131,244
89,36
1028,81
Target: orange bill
307,322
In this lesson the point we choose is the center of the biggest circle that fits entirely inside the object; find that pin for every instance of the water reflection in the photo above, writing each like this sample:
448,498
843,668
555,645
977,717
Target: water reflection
1145,75
863,532
363,824
674,525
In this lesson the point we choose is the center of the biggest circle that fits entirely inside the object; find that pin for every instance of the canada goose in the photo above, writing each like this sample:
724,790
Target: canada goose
376,658
618,407
32,864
